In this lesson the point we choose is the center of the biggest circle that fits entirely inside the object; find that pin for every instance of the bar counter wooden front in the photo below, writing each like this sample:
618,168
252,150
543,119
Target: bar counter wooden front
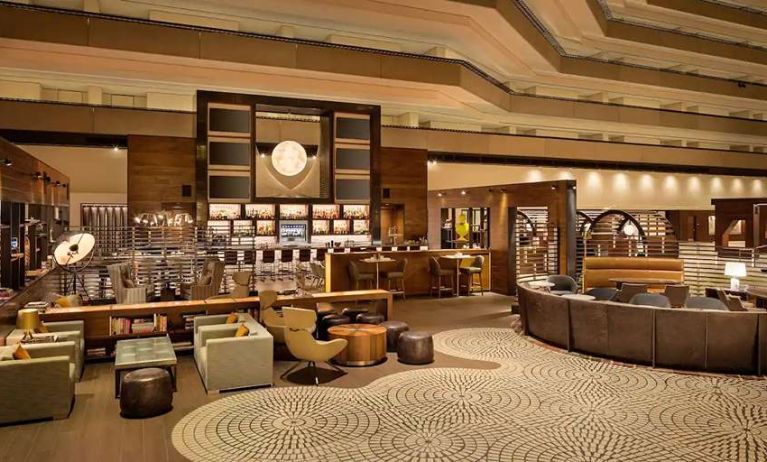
417,276
97,318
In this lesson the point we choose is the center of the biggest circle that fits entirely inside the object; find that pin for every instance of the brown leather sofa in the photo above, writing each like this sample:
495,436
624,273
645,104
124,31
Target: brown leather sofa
681,338
597,271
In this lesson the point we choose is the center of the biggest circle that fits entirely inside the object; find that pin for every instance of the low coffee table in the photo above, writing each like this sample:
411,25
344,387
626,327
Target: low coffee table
366,347
139,353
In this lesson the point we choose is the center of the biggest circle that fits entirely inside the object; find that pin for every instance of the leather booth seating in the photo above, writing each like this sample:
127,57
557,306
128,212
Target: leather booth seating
712,340
597,271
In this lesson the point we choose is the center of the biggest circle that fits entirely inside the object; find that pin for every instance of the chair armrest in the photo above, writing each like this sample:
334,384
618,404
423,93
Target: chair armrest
210,320
216,332
66,326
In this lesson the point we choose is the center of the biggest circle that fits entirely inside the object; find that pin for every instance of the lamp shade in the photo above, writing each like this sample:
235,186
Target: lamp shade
735,269
28,319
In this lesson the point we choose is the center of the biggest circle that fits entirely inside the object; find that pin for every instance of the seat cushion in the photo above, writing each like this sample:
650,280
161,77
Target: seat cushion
395,275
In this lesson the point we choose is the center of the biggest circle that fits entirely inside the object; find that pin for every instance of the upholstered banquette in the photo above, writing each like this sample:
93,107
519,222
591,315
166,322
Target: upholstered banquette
598,271
681,338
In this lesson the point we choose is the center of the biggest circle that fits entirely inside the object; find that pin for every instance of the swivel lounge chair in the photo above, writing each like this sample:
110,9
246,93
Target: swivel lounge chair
656,300
303,346
209,282
563,284
603,293
705,303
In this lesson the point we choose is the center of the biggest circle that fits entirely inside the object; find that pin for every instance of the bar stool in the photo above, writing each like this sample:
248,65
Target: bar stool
398,277
287,266
437,275
401,248
267,258
474,269
386,248
320,257
304,257
357,276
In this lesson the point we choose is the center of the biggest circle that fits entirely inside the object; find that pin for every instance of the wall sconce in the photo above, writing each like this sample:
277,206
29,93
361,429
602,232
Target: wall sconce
463,192
46,178
439,194
7,162
37,176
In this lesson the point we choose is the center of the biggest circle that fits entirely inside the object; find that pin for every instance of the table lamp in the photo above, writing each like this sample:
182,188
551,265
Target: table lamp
28,319
735,270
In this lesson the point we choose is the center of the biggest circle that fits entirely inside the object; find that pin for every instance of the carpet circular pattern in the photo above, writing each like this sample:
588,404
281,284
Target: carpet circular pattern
539,405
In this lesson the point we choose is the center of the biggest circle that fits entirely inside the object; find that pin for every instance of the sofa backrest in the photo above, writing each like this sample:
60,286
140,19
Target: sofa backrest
684,338
597,271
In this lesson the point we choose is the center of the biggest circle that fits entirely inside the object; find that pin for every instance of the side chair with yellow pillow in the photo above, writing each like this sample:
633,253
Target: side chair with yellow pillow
231,355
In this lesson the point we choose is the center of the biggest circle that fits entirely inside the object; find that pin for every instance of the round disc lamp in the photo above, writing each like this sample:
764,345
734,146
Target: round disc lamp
289,158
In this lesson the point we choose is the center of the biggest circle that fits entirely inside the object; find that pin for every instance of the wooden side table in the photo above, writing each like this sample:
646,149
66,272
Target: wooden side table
366,347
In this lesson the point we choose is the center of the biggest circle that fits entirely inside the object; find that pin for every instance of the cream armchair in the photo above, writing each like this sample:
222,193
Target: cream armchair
241,281
274,322
39,388
124,286
305,347
209,282
64,331
226,362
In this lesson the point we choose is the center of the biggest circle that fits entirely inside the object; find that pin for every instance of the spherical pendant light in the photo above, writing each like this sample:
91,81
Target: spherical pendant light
289,158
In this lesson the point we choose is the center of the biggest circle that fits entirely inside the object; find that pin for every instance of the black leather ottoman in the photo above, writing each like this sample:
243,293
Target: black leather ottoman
369,318
330,321
393,330
354,312
415,347
146,393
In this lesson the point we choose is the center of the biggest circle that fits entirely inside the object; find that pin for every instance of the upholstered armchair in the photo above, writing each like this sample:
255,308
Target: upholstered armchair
64,331
124,285
227,362
39,388
209,282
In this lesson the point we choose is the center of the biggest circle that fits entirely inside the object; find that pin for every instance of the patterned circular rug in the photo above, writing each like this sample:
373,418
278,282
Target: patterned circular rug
540,405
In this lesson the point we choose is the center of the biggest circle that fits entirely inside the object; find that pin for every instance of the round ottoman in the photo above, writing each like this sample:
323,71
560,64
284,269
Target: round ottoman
353,313
330,321
366,344
415,347
146,393
393,331
370,318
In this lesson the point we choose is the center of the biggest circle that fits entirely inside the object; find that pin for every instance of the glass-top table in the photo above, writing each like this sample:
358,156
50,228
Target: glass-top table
138,353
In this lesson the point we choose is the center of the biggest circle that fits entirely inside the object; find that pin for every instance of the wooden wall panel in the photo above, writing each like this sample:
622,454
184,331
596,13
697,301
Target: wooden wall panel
404,174
17,181
158,167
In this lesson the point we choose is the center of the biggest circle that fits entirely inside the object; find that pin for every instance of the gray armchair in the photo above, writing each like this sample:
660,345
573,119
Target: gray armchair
227,362
563,284
38,388
124,286
209,282
65,331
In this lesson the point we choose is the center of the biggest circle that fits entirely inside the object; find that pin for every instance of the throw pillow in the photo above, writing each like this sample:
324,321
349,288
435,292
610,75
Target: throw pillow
205,280
232,318
42,329
242,331
128,282
63,302
21,353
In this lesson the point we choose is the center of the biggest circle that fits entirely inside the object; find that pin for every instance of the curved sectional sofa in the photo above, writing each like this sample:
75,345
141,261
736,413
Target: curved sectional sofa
681,338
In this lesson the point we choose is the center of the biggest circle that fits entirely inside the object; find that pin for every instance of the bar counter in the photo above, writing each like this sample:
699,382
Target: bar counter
417,276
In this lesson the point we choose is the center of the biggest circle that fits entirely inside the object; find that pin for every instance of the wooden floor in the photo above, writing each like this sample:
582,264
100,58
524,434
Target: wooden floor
95,431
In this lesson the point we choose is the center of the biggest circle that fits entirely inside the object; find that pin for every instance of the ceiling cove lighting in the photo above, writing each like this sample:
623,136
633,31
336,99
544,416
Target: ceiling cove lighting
289,158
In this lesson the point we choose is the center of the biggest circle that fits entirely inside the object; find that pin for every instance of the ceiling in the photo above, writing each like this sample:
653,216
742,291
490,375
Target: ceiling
703,57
